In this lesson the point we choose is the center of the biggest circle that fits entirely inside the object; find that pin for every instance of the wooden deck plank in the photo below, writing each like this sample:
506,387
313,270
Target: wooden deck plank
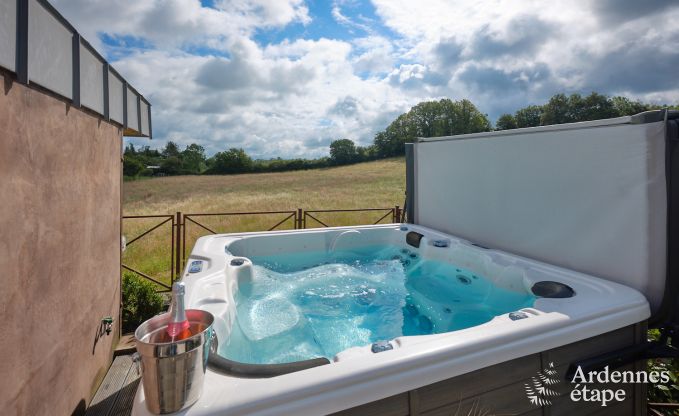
125,399
126,345
105,398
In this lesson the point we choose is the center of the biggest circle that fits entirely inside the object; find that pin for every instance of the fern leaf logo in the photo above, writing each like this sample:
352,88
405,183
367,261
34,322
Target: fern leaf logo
537,390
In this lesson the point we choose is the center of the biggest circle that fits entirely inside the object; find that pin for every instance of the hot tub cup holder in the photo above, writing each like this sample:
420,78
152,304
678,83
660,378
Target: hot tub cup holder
552,290
238,261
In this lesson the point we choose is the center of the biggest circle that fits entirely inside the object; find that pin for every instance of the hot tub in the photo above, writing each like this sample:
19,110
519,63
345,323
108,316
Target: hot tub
318,321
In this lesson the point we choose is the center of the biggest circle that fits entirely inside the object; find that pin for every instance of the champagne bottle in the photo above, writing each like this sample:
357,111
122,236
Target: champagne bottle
178,328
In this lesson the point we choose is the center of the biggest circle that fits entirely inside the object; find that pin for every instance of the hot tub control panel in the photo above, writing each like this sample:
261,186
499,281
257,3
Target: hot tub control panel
196,266
515,316
381,346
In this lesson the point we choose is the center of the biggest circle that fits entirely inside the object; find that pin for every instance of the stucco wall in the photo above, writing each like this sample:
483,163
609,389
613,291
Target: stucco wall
59,251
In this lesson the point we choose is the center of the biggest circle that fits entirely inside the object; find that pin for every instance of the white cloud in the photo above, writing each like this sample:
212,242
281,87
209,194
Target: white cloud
172,23
212,80
346,21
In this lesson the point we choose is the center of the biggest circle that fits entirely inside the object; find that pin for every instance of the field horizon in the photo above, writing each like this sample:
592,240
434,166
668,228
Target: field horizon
376,184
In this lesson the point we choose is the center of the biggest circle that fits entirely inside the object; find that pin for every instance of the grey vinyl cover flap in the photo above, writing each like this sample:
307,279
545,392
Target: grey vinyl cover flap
590,196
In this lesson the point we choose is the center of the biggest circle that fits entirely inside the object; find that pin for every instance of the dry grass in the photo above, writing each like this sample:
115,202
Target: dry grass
379,184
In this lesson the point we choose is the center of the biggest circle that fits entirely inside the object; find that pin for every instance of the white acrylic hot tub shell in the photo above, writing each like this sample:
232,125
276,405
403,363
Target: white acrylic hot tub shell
359,376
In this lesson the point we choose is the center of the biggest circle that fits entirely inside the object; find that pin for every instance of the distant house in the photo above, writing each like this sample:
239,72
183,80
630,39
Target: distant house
156,170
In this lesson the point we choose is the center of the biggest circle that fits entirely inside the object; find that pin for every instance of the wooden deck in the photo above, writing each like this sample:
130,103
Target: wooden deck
116,393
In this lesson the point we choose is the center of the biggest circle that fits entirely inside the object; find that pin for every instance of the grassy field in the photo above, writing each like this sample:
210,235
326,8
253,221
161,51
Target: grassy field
379,184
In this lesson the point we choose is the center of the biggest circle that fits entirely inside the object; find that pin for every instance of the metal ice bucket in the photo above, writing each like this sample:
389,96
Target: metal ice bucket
173,372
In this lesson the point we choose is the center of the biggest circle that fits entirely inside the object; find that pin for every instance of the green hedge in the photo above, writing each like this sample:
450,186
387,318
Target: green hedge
664,393
140,301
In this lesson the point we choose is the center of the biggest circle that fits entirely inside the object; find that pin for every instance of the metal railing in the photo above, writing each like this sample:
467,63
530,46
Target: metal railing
186,228
61,55
164,219
393,213
190,219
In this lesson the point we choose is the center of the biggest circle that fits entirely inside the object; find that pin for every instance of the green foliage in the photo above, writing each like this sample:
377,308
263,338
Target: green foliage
593,107
193,159
663,393
573,108
430,119
557,111
132,166
285,165
171,165
135,161
232,161
506,122
626,107
171,150
342,152
140,301
528,116
171,161
562,109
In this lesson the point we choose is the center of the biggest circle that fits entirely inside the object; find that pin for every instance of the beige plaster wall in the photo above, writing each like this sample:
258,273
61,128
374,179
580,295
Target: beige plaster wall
60,213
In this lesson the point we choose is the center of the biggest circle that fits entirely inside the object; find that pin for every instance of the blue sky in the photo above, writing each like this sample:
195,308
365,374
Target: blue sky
286,77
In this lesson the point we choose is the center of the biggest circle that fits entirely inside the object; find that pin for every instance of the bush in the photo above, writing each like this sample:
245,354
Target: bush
140,301
663,393
132,166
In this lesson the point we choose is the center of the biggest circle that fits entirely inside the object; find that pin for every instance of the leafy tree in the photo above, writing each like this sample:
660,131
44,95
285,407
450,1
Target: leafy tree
470,119
232,161
562,109
171,150
594,107
132,166
149,153
626,107
342,152
423,118
366,153
430,119
171,166
193,159
556,111
505,122
528,116
387,144
130,150
400,131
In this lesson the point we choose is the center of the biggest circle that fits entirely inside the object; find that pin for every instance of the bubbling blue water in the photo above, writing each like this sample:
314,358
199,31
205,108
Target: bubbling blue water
316,304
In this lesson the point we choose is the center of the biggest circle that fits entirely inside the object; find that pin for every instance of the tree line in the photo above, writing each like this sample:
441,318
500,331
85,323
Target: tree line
569,109
444,117
193,161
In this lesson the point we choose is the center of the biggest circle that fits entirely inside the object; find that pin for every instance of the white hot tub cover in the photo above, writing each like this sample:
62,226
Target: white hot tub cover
589,196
